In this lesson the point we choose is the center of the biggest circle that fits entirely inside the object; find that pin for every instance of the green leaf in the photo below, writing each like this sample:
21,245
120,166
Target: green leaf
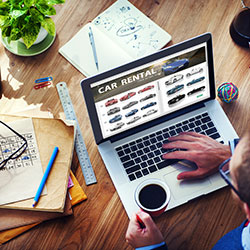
36,16
46,9
49,25
29,3
15,34
17,13
6,31
30,33
53,2
4,21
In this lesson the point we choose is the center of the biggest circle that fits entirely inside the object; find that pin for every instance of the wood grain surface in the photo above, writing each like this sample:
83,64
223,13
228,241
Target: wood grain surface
101,222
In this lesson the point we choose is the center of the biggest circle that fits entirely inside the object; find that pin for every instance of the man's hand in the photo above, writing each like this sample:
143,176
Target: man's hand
139,237
204,151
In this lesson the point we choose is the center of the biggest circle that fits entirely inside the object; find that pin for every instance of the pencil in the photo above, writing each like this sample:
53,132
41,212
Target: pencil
45,176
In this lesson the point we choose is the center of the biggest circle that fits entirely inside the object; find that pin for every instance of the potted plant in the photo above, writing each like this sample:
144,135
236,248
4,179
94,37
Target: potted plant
24,19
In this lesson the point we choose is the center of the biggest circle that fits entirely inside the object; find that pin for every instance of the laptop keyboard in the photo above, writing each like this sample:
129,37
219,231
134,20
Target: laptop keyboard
144,155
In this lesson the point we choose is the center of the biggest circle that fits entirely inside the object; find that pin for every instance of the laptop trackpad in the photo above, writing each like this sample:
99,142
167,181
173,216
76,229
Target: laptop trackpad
181,189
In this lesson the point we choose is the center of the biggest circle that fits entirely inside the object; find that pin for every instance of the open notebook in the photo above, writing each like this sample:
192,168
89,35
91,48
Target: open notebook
121,33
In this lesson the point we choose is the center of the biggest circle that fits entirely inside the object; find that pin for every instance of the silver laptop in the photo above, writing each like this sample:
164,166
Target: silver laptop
135,108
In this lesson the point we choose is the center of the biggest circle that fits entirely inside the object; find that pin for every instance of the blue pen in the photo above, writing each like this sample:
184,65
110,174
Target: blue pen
45,176
92,42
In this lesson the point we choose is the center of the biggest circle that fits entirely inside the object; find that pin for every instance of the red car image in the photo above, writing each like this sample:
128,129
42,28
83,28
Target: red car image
127,96
111,102
146,88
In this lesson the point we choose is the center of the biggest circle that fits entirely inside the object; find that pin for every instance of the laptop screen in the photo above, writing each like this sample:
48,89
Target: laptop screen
151,90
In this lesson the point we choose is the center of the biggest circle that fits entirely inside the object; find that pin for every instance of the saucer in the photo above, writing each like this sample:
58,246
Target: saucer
19,48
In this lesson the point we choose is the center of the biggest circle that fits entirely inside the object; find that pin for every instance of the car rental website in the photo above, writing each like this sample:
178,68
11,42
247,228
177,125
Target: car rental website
145,93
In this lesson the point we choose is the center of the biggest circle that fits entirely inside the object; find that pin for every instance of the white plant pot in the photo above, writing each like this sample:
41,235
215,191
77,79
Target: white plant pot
41,36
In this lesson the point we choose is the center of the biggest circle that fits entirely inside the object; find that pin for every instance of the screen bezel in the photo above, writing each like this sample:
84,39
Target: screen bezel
89,100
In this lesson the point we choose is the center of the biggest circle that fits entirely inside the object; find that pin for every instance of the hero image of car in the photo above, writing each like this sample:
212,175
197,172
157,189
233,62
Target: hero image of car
113,111
147,97
132,112
127,96
136,118
111,102
150,112
115,119
196,81
148,105
194,71
117,126
176,99
145,89
130,104
195,90
173,67
174,79
175,89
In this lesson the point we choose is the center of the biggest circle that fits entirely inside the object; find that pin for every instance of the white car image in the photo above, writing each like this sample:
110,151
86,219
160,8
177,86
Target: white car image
174,79
194,71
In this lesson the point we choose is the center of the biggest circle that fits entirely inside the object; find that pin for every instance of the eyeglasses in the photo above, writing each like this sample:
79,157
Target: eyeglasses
225,174
14,153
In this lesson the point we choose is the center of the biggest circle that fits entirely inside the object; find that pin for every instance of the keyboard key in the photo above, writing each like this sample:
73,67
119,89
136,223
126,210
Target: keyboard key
137,160
185,122
206,119
158,145
133,155
125,146
172,133
120,153
191,125
138,174
165,130
138,140
198,117
152,147
191,120
131,177
153,140
159,138
211,131
134,148
178,125
215,136
166,163
152,169
143,164
140,145
157,152
185,128
150,162
178,130
157,159
128,164
127,150
197,129
166,135
145,137
204,114
139,152
146,150
172,127
210,124
204,127
152,135
118,149
125,158
145,171
144,157
197,123
131,143
147,143
133,169
151,155
158,132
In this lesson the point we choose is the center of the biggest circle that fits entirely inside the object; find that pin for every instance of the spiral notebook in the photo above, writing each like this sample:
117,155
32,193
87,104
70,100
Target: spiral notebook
122,33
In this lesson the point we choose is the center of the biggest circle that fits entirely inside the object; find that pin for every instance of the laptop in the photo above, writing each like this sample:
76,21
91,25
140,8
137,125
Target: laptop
136,107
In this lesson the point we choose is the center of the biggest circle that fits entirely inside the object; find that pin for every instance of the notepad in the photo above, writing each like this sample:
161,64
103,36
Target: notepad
122,33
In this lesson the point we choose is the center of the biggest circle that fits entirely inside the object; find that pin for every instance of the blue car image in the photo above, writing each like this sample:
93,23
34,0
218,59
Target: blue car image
173,67
196,81
132,112
175,89
148,105
115,119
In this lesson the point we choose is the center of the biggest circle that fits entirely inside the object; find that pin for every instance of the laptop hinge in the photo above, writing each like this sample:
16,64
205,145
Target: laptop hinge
156,122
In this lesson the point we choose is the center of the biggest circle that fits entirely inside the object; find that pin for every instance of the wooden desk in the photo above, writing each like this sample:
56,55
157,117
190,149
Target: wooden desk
101,222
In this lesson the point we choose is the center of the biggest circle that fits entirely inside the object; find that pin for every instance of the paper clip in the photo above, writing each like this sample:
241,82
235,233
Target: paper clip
45,79
41,85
